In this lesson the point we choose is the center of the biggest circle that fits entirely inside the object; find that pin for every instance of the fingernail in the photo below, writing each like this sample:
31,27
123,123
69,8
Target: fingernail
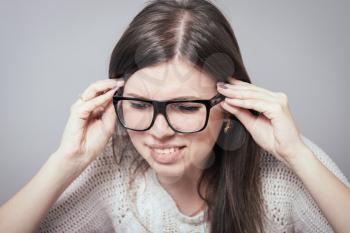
120,83
222,85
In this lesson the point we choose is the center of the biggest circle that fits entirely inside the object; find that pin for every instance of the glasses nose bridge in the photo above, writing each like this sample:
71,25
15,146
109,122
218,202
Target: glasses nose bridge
159,108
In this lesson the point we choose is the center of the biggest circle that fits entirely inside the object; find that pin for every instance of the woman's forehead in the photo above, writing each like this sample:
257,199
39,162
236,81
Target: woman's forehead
170,87
170,79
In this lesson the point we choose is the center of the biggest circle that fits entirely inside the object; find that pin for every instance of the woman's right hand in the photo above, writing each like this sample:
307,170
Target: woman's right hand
91,123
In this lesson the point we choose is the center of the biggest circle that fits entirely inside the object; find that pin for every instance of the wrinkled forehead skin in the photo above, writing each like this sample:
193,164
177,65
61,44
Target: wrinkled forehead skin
172,79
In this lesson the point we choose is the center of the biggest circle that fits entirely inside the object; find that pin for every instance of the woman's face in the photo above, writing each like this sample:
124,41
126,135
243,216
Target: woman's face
164,82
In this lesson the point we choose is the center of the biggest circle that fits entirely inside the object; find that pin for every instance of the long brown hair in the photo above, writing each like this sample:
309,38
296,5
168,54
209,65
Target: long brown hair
197,31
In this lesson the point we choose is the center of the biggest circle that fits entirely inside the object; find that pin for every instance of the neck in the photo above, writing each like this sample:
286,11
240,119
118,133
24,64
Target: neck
187,179
184,191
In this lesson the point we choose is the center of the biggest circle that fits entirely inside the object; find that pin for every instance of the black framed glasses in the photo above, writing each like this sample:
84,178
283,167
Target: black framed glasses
183,116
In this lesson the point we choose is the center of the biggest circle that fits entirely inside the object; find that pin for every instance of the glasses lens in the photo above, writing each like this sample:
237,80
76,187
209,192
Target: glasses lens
185,117
135,114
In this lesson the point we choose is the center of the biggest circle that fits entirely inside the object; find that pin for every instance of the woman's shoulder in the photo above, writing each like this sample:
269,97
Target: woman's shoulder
287,201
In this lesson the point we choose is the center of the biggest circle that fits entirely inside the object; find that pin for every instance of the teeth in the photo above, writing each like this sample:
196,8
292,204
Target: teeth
166,151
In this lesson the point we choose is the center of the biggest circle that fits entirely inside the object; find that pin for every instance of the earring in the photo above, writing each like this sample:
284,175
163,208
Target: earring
228,126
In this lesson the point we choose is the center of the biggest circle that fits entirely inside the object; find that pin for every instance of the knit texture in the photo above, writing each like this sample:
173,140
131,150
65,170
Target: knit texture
100,200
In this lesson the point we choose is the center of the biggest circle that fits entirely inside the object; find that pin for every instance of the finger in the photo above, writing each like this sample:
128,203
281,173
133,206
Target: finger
250,87
100,87
99,101
97,112
266,107
103,107
239,83
244,93
83,109
243,115
234,81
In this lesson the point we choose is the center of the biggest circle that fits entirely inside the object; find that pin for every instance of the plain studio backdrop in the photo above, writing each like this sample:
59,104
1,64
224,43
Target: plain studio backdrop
52,50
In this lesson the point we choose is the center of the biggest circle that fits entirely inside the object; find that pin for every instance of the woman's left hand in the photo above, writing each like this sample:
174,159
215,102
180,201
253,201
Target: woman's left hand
274,129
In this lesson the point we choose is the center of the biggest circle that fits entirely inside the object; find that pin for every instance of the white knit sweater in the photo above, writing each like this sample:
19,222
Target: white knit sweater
99,200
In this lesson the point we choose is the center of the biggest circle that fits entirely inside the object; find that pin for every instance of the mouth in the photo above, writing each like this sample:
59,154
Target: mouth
166,155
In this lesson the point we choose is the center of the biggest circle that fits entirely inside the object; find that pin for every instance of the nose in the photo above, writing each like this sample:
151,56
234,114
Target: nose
161,128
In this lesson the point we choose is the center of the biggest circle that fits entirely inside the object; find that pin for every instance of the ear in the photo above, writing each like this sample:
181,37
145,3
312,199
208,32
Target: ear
235,136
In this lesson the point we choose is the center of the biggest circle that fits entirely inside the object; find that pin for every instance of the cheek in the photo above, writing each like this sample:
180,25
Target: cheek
203,142
137,139
211,132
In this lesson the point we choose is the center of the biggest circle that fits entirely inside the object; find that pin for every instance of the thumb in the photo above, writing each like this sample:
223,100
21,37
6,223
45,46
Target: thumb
243,115
109,117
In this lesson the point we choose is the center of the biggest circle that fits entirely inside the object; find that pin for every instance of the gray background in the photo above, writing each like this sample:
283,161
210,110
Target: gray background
52,50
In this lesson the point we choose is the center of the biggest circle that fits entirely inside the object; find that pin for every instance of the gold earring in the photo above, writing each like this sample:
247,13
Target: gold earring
228,126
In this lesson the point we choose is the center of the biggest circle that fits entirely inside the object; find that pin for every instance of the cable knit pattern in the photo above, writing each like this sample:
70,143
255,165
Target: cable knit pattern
100,200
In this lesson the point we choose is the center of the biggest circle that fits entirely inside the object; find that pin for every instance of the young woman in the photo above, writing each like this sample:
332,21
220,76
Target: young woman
180,140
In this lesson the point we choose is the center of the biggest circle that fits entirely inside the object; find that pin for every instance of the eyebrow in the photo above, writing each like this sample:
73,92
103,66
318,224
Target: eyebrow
177,98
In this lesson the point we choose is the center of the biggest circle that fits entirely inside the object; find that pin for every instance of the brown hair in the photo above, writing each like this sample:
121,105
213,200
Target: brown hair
197,31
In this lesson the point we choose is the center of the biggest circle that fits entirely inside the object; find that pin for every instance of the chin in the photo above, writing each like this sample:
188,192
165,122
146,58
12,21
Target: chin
175,169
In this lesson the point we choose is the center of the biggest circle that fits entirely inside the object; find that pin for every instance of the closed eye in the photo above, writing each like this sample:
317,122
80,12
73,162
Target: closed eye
186,107
140,105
